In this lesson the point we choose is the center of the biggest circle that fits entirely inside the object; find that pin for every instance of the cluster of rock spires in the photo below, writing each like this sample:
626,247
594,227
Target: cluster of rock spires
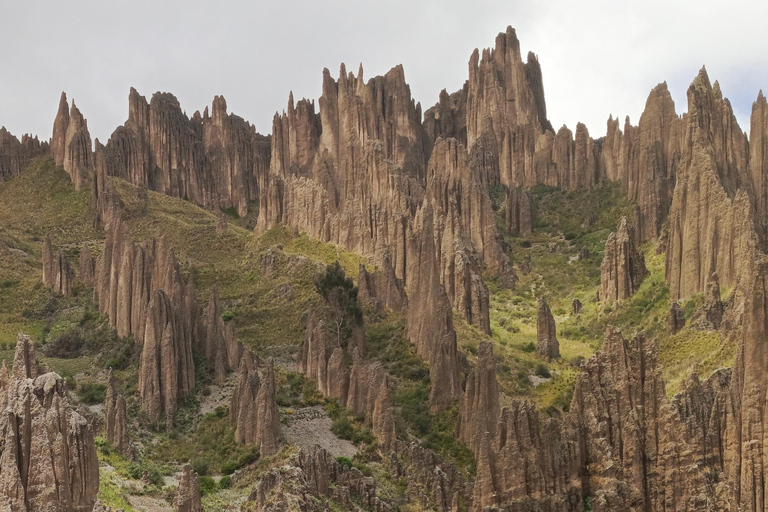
116,421
48,458
547,345
15,154
188,497
253,409
57,273
623,268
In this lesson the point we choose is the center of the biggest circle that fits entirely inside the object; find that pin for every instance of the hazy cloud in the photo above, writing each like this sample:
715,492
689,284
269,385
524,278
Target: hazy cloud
599,57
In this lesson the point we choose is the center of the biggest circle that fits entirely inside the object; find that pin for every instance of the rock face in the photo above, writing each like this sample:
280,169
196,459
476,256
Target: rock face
117,421
71,143
254,409
87,267
307,482
433,483
16,155
519,215
382,289
711,225
713,306
623,268
576,307
676,318
166,368
48,460
342,177
430,317
479,414
217,344
188,497
547,345
215,161
57,273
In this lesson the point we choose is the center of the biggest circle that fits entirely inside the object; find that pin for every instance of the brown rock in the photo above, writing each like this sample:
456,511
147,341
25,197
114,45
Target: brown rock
547,345
623,267
322,360
117,421
57,273
48,460
215,160
257,421
166,369
479,414
676,318
71,143
576,307
188,497
430,318
382,289
519,212
16,155
87,267
713,306
216,345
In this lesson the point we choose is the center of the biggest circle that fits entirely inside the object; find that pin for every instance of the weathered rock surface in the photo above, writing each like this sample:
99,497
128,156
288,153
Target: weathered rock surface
71,143
254,409
382,289
713,306
576,307
430,317
116,421
711,224
623,268
676,318
217,339
432,483
215,161
547,345
519,214
48,459
188,497
57,272
479,413
16,155
87,267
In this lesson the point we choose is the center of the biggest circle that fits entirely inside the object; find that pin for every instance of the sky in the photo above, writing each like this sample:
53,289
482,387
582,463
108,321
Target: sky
598,57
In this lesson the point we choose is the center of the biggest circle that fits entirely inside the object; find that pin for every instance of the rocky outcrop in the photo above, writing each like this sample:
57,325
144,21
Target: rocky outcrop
676,318
713,307
71,143
342,177
217,344
166,368
758,161
48,459
623,268
307,483
382,289
116,421
433,483
645,159
430,317
215,160
57,273
519,213
87,267
547,345
711,225
322,360
16,155
254,409
576,307
188,497
479,413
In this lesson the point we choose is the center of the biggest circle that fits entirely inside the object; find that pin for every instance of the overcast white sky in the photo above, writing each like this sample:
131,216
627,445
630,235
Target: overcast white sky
599,57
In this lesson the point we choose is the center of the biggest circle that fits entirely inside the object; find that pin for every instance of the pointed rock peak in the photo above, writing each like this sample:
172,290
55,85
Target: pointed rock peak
63,104
760,97
25,364
342,72
474,61
219,106
360,74
701,80
291,103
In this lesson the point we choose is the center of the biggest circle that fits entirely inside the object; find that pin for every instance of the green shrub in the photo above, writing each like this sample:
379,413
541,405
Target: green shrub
208,485
345,462
529,347
92,393
137,471
228,315
543,371
225,482
200,466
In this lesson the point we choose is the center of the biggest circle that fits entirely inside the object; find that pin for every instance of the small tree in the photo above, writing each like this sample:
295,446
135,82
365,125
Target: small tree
340,294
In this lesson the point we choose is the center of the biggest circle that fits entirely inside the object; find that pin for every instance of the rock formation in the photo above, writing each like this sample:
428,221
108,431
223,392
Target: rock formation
254,409
16,155
57,273
166,368
48,458
713,306
430,317
479,414
623,268
87,267
432,483
215,161
519,214
711,225
216,343
382,289
576,307
71,143
188,497
676,318
547,345
116,420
